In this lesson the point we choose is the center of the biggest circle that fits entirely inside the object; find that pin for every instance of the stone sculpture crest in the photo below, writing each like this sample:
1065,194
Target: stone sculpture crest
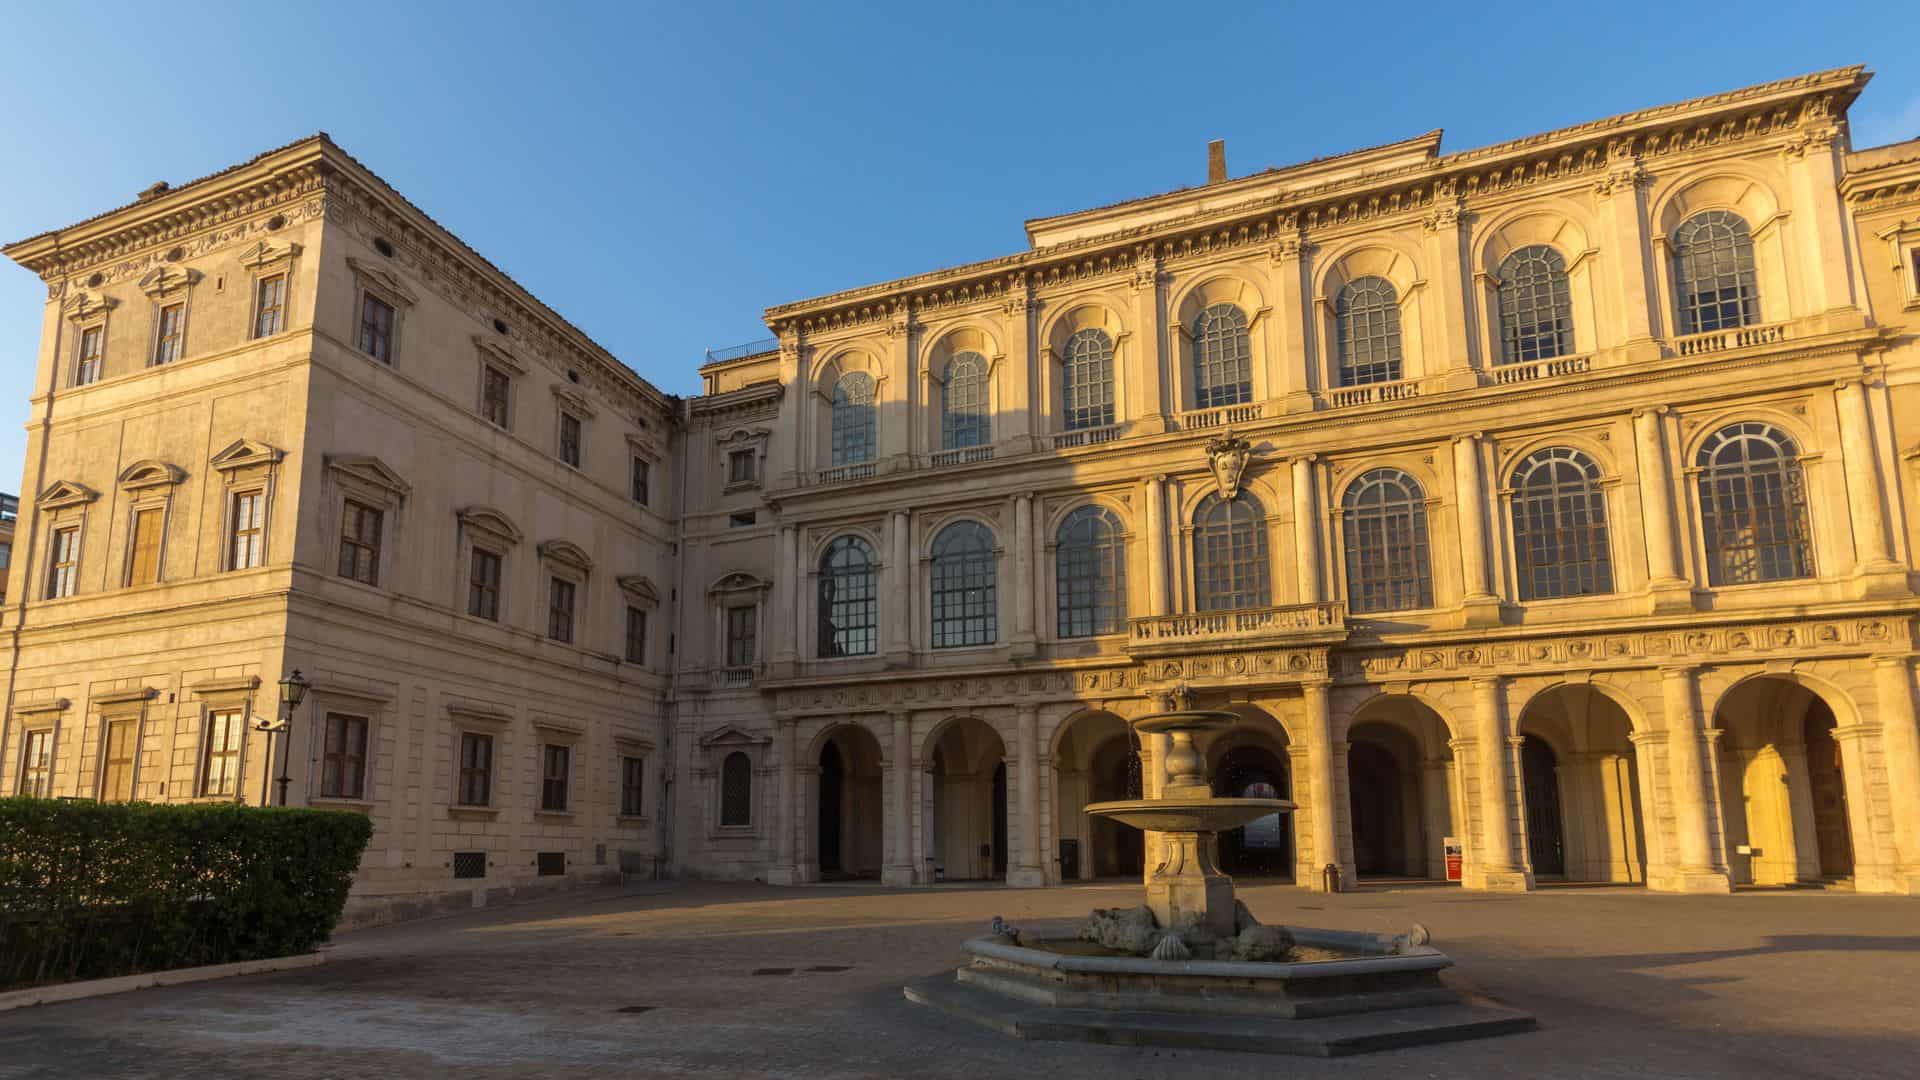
1228,455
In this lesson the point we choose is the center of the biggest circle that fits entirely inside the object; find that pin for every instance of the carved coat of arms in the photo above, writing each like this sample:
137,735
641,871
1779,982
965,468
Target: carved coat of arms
1228,455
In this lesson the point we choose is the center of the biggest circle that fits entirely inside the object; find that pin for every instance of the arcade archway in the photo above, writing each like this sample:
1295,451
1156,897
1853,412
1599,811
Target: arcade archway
1784,795
965,812
1095,759
1580,787
848,805
1400,789
1249,760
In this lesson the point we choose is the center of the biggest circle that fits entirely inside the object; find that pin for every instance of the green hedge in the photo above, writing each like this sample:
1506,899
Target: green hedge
90,890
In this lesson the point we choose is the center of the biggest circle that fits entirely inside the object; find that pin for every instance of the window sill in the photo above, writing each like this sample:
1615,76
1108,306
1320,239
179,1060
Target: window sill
473,813
210,800
554,815
623,820
740,485
334,802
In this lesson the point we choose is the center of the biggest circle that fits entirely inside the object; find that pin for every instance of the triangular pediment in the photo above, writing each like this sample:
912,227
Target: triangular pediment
167,279
244,452
640,588
381,280
150,473
65,493
573,400
567,552
370,470
81,307
740,582
266,253
497,352
488,520
728,735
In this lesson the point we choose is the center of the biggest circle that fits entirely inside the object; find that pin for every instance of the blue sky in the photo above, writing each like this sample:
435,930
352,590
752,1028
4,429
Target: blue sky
661,174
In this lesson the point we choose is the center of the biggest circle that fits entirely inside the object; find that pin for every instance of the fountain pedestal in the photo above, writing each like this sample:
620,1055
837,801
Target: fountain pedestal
1187,883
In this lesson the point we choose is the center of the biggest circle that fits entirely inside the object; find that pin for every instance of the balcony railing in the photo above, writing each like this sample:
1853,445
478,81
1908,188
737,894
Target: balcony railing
1067,440
1200,419
1322,620
1739,337
840,473
1535,370
1345,397
728,678
966,455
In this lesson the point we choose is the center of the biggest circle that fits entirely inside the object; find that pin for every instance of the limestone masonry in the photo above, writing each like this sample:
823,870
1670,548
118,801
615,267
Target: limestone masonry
1540,510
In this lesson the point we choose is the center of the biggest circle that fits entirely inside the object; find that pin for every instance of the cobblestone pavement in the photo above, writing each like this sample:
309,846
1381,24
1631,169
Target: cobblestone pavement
674,980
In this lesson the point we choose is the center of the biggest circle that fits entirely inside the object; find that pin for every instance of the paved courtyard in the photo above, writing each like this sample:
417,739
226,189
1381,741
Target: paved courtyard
673,980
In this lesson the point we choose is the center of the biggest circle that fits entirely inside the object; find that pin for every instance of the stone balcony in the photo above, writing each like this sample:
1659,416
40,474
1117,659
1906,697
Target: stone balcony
1288,624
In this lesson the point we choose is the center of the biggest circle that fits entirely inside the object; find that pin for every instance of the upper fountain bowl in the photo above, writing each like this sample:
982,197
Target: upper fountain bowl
1196,721
1188,815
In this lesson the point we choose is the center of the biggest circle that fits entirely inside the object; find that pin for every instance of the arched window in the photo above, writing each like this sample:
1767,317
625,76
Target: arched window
1230,554
1087,379
964,594
1385,521
1753,506
1560,526
963,403
849,608
1536,309
853,433
1090,573
1222,358
736,790
1713,269
1367,314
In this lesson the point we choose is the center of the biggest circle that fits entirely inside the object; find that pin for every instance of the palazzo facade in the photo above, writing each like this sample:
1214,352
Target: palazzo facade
1542,505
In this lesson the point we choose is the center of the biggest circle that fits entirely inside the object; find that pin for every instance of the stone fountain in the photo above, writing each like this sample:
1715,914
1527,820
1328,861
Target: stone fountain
1193,968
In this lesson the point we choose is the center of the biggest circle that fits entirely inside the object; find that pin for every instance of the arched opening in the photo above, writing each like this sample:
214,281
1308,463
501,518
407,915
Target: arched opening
1096,759
966,807
1783,788
849,805
1402,790
1580,780
1249,760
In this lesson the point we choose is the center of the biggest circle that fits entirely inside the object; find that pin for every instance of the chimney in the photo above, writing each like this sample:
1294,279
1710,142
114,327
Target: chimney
1216,161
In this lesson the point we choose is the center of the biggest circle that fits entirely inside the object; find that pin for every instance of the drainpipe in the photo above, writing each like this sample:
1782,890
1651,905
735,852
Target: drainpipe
670,713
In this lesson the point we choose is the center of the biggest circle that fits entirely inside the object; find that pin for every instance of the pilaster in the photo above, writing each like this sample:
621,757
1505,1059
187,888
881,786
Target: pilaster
1697,870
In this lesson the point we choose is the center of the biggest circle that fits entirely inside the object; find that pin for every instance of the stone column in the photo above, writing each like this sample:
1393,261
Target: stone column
1876,574
1436,813
786,869
1306,531
786,603
1669,591
1900,745
899,866
1621,196
1322,787
1295,363
1697,870
1025,870
897,606
1023,639
1156,545
1481,606
1446,334
1501,870
1147,385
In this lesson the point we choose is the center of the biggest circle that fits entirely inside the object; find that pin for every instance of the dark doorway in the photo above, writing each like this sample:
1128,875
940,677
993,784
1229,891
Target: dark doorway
1379,821
1265,847
1540,776
1828,784
1000,820
832,787
1118,850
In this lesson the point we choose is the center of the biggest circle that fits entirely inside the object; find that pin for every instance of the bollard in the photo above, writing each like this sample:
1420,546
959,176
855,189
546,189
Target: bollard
1330,878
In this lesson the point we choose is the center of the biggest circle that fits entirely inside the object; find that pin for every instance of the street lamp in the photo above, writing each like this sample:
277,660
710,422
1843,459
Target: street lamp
293,690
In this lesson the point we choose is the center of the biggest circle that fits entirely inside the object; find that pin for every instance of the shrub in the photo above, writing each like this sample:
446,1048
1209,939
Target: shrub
90,890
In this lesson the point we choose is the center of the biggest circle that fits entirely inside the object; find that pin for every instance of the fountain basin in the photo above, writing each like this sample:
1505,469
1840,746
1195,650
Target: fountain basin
1209,815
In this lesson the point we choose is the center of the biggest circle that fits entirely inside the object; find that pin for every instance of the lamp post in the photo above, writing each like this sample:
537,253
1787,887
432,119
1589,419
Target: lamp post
293,690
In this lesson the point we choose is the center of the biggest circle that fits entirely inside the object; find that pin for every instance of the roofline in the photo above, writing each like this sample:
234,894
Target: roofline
1845,83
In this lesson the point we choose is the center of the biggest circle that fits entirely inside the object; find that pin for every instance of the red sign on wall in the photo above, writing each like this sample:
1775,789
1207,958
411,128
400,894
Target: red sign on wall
1456,857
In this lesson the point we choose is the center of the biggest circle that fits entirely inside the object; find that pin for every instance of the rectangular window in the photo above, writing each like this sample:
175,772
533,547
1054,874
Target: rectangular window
93,351
116,772
36,764
173,325
560,610
570,439
636,635
247,531
740,634
376,328
343,768
63,562
360,543
495,386
220,760
633,775
483,585
476,769
555,760
642,480
742,519
270,306
740,467
143,563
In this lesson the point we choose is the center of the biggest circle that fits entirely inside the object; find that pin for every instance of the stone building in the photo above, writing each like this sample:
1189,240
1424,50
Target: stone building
1542,504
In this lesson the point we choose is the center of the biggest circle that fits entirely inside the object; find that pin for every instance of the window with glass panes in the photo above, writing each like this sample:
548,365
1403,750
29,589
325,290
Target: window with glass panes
1366,314
1560,526
246,528
849,599
476,769
170,334
1090,574
63,562
1536,307
220,756
636,635
360,542
642,480
143,556
570,439
633,780
343,764
1384,518
116,771
1714,273
1222,358
742,629
736,791
964,587
964,402
483,585
270,306
496,389
556,762
1087,379
740,467
93,351
1753,506
376,328
560,594
1230,554
852,420
36,763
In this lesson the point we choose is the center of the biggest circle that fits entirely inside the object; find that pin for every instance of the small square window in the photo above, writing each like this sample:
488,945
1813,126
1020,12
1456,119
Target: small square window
496,388
560,594
360,543
343,770
483,585
550,863
742,519
570,439
555,760
376,328
476,769
93,350
270,306
469,864
170,335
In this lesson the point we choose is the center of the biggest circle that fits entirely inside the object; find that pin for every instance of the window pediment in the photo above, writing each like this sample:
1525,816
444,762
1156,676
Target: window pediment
567,553
496,353
150,474
167,280
266,255
65,493
468,713
370,470
574,401
381,281
245,452
486,519
739,583
126,697
726,735
740,438
548,724
85,308
42,708
640,589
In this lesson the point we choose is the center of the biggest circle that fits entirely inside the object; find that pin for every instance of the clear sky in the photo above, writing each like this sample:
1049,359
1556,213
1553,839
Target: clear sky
660,174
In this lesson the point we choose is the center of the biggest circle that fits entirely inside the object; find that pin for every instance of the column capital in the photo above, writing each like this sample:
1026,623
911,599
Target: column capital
1026,711
1712,734
1316,686
1651,410
1460,743
1517,741
1307,458
1901,660
1468,437
1679,671
1487,682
